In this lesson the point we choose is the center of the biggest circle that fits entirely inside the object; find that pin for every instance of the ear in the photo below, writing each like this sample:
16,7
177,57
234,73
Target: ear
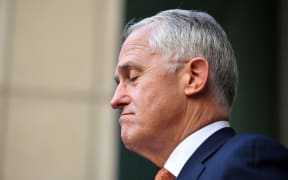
198,73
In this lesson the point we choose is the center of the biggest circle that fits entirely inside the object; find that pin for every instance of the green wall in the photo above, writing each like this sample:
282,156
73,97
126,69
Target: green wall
250,25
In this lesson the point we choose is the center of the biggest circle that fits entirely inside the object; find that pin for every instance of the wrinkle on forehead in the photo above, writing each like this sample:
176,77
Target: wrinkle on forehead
135,46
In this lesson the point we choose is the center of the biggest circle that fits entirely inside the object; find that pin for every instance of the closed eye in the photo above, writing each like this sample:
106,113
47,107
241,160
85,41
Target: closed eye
134,78
133,75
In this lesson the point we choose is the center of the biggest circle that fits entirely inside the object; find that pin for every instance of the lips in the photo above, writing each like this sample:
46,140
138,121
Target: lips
125,117
126,113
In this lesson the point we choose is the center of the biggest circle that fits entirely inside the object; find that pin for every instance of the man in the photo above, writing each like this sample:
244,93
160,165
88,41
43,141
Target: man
177,80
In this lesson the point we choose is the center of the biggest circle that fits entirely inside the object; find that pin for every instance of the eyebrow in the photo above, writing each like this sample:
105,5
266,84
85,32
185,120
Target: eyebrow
125,67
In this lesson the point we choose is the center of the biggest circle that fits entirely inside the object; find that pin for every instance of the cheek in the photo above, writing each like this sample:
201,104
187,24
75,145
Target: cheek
147,102
147,95
153,104
155,99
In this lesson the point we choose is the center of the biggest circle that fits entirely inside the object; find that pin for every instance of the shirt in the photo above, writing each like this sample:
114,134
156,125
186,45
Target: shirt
189,145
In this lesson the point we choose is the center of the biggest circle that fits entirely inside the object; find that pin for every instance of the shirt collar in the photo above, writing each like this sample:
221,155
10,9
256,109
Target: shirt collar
189,145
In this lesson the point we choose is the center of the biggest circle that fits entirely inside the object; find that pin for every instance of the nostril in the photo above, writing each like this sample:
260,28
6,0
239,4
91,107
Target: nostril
114,106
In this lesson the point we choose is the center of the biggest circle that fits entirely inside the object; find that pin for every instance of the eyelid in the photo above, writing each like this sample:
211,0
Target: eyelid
133,78
133,74
128,72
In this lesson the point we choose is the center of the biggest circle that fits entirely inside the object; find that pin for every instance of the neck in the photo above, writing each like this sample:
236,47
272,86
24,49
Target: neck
204,113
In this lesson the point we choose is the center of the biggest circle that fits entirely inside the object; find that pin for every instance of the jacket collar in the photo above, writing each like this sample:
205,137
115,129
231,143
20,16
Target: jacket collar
196,163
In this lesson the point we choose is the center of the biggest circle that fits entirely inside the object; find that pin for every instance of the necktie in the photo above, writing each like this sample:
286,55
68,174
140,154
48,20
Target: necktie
164,174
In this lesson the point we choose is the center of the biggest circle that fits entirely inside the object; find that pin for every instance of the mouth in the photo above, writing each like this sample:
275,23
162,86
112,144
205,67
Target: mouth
126,113
124,117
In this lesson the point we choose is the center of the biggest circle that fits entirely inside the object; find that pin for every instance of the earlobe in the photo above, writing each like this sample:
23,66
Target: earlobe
198,73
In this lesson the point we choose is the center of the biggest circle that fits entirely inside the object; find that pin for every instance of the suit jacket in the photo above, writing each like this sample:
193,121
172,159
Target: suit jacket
225,156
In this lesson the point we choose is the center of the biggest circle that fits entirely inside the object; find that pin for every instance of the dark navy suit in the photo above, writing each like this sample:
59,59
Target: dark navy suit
225,156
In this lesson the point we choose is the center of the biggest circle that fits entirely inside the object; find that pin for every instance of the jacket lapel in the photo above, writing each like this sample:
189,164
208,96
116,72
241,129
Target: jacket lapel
196,163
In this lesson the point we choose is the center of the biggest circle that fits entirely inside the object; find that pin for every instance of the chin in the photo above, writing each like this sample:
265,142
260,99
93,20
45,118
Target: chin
125,138
128,140
128,144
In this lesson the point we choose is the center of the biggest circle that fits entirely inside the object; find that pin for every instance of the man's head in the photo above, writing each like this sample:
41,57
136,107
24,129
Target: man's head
181,35
176,73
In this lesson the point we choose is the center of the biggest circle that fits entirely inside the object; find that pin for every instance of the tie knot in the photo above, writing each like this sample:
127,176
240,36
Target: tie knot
164,174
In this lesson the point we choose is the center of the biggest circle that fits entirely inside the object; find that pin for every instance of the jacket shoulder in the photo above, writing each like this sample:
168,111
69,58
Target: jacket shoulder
249,156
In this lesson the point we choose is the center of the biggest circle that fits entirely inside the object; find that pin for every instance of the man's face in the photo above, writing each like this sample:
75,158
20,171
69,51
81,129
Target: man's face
149,96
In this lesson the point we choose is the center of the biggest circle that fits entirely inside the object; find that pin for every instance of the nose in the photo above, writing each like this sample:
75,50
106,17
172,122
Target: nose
120,98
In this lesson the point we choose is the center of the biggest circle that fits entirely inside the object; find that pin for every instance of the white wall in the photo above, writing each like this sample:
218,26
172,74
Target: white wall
56,80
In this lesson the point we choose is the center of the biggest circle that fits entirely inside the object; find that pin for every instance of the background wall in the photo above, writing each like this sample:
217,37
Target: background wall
282,87
56,64
57,59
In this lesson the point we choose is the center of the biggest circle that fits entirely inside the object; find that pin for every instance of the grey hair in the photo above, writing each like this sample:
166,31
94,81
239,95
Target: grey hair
181,35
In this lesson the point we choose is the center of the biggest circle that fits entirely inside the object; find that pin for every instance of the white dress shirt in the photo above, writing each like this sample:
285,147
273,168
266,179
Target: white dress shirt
189,145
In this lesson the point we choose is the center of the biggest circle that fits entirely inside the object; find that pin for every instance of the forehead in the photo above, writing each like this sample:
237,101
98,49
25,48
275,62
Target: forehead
137,42
135,47
136,50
